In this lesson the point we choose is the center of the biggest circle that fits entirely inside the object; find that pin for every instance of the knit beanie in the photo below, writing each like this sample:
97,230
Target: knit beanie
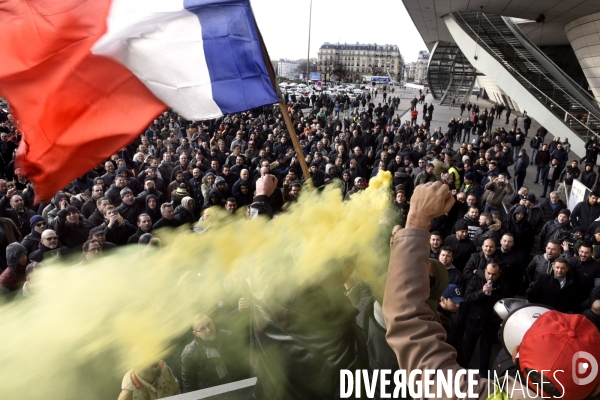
35,219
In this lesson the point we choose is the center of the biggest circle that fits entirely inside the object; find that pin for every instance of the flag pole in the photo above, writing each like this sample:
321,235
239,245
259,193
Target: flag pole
284,111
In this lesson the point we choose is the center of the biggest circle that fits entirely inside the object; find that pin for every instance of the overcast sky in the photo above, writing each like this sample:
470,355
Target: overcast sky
284,25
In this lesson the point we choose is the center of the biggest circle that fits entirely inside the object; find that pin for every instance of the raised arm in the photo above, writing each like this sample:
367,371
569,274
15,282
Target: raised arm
417,340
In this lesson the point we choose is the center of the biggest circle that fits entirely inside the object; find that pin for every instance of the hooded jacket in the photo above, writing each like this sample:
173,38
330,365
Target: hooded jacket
244,199
182,214
154,214
534,215
13,276
53,212
523,232
206,188
208,204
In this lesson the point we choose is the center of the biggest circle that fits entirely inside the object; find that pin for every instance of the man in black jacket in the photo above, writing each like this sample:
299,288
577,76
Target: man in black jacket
49,247
478,261
586,271
586,212
90,205
552,206
168,217
208,360
512,262
446,257
131,206
450,304
144,223
72,228
483,291
461,244
16,211
117,229
557,290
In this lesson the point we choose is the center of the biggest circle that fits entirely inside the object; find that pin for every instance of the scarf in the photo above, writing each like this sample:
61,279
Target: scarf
560,226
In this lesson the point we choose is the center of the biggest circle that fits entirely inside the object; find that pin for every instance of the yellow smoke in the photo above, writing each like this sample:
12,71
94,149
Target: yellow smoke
88,325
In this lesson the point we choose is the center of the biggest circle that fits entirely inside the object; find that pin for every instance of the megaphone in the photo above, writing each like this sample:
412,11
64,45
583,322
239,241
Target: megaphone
505,306
518,321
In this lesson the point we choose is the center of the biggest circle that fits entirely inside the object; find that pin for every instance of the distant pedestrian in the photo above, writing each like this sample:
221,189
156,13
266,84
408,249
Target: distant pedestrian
413,116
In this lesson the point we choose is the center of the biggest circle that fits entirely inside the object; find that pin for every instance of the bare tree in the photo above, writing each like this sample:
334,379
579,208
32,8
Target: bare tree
301,69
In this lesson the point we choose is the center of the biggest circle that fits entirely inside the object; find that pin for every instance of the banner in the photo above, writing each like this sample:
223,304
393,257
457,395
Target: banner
579,193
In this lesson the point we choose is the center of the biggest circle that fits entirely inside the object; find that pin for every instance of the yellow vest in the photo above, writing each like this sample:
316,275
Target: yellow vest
456,175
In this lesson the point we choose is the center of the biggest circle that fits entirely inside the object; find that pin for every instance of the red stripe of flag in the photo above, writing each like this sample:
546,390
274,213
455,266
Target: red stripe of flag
74,109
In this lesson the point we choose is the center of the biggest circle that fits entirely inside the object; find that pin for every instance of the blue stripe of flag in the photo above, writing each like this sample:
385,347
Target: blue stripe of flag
238,74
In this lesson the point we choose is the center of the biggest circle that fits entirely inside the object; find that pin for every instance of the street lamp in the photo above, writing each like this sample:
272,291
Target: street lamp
308,52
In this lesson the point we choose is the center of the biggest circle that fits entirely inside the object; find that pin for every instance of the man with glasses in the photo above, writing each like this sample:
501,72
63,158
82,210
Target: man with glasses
208,360
90,206
38,225
92,249
49,247
418,169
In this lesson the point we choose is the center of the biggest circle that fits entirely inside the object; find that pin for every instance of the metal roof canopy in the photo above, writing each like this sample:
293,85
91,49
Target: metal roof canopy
427,14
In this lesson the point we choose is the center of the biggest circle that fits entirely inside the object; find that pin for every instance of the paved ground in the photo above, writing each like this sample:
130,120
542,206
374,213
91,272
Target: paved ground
442,115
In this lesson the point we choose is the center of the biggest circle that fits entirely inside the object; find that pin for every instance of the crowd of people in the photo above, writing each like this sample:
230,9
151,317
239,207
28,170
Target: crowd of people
497,240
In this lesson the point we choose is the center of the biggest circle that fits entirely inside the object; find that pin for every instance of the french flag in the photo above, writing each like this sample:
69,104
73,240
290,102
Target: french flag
85,78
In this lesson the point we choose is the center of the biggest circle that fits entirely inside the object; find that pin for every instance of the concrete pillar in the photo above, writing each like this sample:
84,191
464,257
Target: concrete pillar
584,35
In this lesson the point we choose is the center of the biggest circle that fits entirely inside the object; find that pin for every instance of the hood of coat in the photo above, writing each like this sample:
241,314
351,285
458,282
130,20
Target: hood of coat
151,196
519,209
216,192
57,197
439,284
13,252
185,202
